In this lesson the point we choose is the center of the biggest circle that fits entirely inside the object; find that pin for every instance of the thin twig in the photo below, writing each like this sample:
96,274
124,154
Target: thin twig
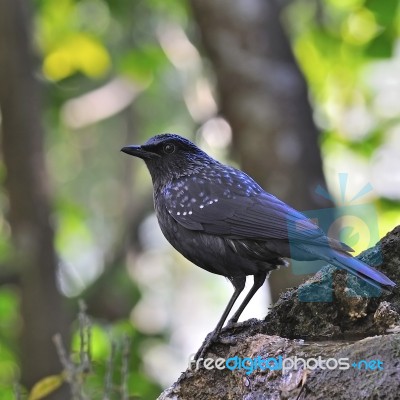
85,339
75,373
62,353
109,372
17,391
126,350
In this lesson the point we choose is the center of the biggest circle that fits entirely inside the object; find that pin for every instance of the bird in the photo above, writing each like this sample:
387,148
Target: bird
221,220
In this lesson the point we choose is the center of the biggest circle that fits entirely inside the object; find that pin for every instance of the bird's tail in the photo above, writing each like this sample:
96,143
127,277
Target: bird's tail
343,260
359,268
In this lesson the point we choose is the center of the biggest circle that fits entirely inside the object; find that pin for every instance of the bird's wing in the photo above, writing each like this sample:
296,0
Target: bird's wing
239,209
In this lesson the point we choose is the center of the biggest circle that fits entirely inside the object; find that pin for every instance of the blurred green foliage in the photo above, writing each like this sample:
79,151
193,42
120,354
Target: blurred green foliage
85,44
338,43
9,323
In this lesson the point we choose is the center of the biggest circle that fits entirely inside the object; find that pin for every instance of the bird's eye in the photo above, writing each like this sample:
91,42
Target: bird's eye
169,148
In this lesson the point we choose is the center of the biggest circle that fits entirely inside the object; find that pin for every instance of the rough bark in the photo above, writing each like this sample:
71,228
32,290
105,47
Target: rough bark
263,95
28,193
343,327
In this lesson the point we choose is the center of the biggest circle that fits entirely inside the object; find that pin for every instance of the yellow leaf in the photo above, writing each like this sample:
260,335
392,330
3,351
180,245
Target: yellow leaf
78,52
46,386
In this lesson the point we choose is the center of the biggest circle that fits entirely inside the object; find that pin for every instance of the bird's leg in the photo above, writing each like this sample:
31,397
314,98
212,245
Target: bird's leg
238,283
259,279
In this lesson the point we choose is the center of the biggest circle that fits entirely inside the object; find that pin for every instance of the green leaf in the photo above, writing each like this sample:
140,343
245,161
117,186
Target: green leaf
381,46
385,10
46,386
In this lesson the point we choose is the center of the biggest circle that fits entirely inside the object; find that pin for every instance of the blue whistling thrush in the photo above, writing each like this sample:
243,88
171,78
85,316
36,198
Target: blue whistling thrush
220,219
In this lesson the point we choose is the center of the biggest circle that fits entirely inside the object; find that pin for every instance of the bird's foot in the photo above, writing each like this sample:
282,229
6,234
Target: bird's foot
208,341
231,323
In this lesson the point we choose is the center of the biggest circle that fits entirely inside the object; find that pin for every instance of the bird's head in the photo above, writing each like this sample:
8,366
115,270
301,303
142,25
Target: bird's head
169,156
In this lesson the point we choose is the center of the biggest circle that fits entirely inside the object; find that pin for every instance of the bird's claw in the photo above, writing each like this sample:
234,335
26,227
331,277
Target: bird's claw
208,341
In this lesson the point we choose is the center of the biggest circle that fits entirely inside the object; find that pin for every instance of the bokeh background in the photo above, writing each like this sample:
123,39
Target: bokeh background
298,93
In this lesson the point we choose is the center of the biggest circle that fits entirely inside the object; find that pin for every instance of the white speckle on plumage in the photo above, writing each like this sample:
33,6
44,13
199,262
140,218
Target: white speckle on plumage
184,213
201,194
190,212
201,206
215,200
178,213
193,200
210,202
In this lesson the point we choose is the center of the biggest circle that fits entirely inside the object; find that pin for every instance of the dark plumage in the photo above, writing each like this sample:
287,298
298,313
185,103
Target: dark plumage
223,221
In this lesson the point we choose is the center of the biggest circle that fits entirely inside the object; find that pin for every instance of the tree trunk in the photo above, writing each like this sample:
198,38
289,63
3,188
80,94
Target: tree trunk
27,184
344,327
263,95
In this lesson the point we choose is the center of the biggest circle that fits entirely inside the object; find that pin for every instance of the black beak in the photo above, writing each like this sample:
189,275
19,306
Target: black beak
139,151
